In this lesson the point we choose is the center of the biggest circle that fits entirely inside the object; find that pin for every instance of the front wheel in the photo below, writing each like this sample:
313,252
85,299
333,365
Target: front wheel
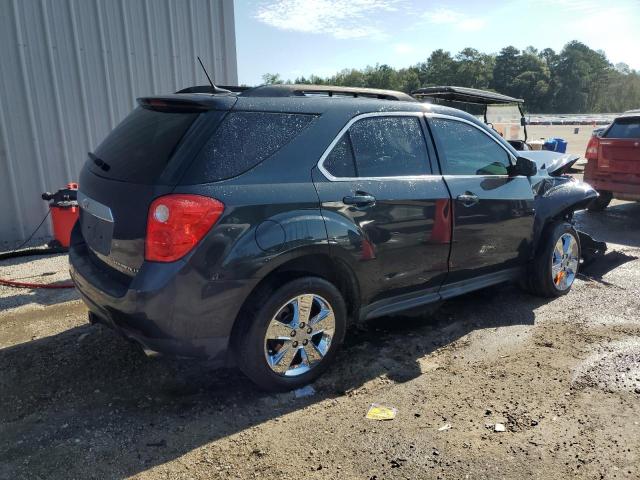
556,264
291,335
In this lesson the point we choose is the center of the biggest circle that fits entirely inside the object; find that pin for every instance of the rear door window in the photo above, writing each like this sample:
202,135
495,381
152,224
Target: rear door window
140,148
379,146
340,162
242,141
624,128
465,150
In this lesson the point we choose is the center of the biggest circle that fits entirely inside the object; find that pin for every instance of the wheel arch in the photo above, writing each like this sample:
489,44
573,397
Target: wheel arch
320,265
559,203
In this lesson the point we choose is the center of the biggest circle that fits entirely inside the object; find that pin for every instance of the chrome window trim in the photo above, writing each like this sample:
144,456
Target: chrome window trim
422,114
344,129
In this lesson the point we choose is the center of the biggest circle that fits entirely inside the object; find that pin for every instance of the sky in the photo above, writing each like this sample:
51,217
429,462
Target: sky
322,37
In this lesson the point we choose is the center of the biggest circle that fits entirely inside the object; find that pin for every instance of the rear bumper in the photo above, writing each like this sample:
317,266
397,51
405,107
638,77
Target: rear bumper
625,186
160,308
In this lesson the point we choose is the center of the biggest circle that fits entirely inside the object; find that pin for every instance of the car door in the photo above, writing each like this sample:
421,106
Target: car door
493,212
385,212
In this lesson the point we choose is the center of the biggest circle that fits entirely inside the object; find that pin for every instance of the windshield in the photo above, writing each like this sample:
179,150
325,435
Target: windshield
505,119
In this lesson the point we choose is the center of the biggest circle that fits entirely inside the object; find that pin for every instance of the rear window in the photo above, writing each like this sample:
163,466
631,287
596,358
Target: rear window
242,141
624,128
141,147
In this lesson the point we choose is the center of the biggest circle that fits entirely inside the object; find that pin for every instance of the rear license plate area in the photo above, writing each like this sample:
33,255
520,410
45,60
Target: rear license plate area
96,230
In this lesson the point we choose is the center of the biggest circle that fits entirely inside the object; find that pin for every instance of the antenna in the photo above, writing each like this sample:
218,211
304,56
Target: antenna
207,74
214,89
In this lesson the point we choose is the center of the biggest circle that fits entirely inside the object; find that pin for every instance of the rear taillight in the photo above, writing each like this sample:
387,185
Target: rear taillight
176,223
592,148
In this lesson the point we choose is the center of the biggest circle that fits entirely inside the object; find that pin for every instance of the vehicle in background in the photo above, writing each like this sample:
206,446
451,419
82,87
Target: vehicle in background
250,227
613,161
502,113
597,132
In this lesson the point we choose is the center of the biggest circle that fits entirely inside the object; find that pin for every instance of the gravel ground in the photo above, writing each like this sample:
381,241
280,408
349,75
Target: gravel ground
47,269
561,376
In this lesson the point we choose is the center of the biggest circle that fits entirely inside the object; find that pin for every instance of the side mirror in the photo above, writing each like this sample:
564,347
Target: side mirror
523,166
523,122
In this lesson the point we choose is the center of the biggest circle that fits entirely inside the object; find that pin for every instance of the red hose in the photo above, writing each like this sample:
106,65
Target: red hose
11,283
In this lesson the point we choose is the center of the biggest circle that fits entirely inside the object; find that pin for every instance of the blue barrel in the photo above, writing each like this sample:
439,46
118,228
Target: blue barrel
549,144
561,145
555,145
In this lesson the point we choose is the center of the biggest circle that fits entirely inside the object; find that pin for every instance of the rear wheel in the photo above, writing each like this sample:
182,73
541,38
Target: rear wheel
556,264
290,336
602,202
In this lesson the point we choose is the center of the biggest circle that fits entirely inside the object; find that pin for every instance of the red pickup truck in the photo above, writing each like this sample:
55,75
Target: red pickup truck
613,161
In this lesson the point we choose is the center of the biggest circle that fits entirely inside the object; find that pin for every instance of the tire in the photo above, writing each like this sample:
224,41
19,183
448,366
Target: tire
552,275
298,356
602,202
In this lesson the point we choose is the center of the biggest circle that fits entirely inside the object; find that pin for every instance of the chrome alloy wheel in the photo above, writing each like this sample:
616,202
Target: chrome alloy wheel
564,264
299,335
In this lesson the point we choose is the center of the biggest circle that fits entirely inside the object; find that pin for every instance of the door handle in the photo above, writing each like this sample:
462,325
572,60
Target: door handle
468,199
359,200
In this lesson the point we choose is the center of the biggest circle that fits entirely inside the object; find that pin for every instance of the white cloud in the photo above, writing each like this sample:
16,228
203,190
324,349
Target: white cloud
472,24
459,20
443,15
339,18
575,6
403,48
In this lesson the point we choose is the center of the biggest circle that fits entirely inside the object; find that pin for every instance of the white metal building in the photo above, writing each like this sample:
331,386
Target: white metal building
70,70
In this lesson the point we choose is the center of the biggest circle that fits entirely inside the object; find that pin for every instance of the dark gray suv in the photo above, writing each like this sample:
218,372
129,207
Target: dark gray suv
250,227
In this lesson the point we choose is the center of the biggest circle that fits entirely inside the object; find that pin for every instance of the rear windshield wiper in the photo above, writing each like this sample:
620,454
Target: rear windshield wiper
99,162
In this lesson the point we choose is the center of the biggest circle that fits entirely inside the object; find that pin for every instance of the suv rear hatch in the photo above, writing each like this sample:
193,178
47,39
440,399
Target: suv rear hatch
619,148
144,157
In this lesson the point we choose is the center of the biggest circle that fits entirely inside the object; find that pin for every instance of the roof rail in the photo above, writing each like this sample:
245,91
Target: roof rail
325,90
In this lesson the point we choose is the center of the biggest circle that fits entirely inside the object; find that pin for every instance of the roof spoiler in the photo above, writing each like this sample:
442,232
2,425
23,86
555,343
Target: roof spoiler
187,103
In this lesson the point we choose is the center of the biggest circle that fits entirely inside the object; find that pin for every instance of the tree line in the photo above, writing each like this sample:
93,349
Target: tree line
578,79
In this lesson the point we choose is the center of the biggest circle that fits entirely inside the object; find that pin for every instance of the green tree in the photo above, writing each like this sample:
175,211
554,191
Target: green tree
581,76
533,80
272,79
439,69
381,76
350,78
409,79
473,69
578,79
506,68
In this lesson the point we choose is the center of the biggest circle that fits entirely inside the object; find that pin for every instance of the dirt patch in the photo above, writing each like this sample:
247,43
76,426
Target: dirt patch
617,368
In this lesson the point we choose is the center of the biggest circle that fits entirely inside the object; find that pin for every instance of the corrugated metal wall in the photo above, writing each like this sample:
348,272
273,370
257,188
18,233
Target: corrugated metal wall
70,70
